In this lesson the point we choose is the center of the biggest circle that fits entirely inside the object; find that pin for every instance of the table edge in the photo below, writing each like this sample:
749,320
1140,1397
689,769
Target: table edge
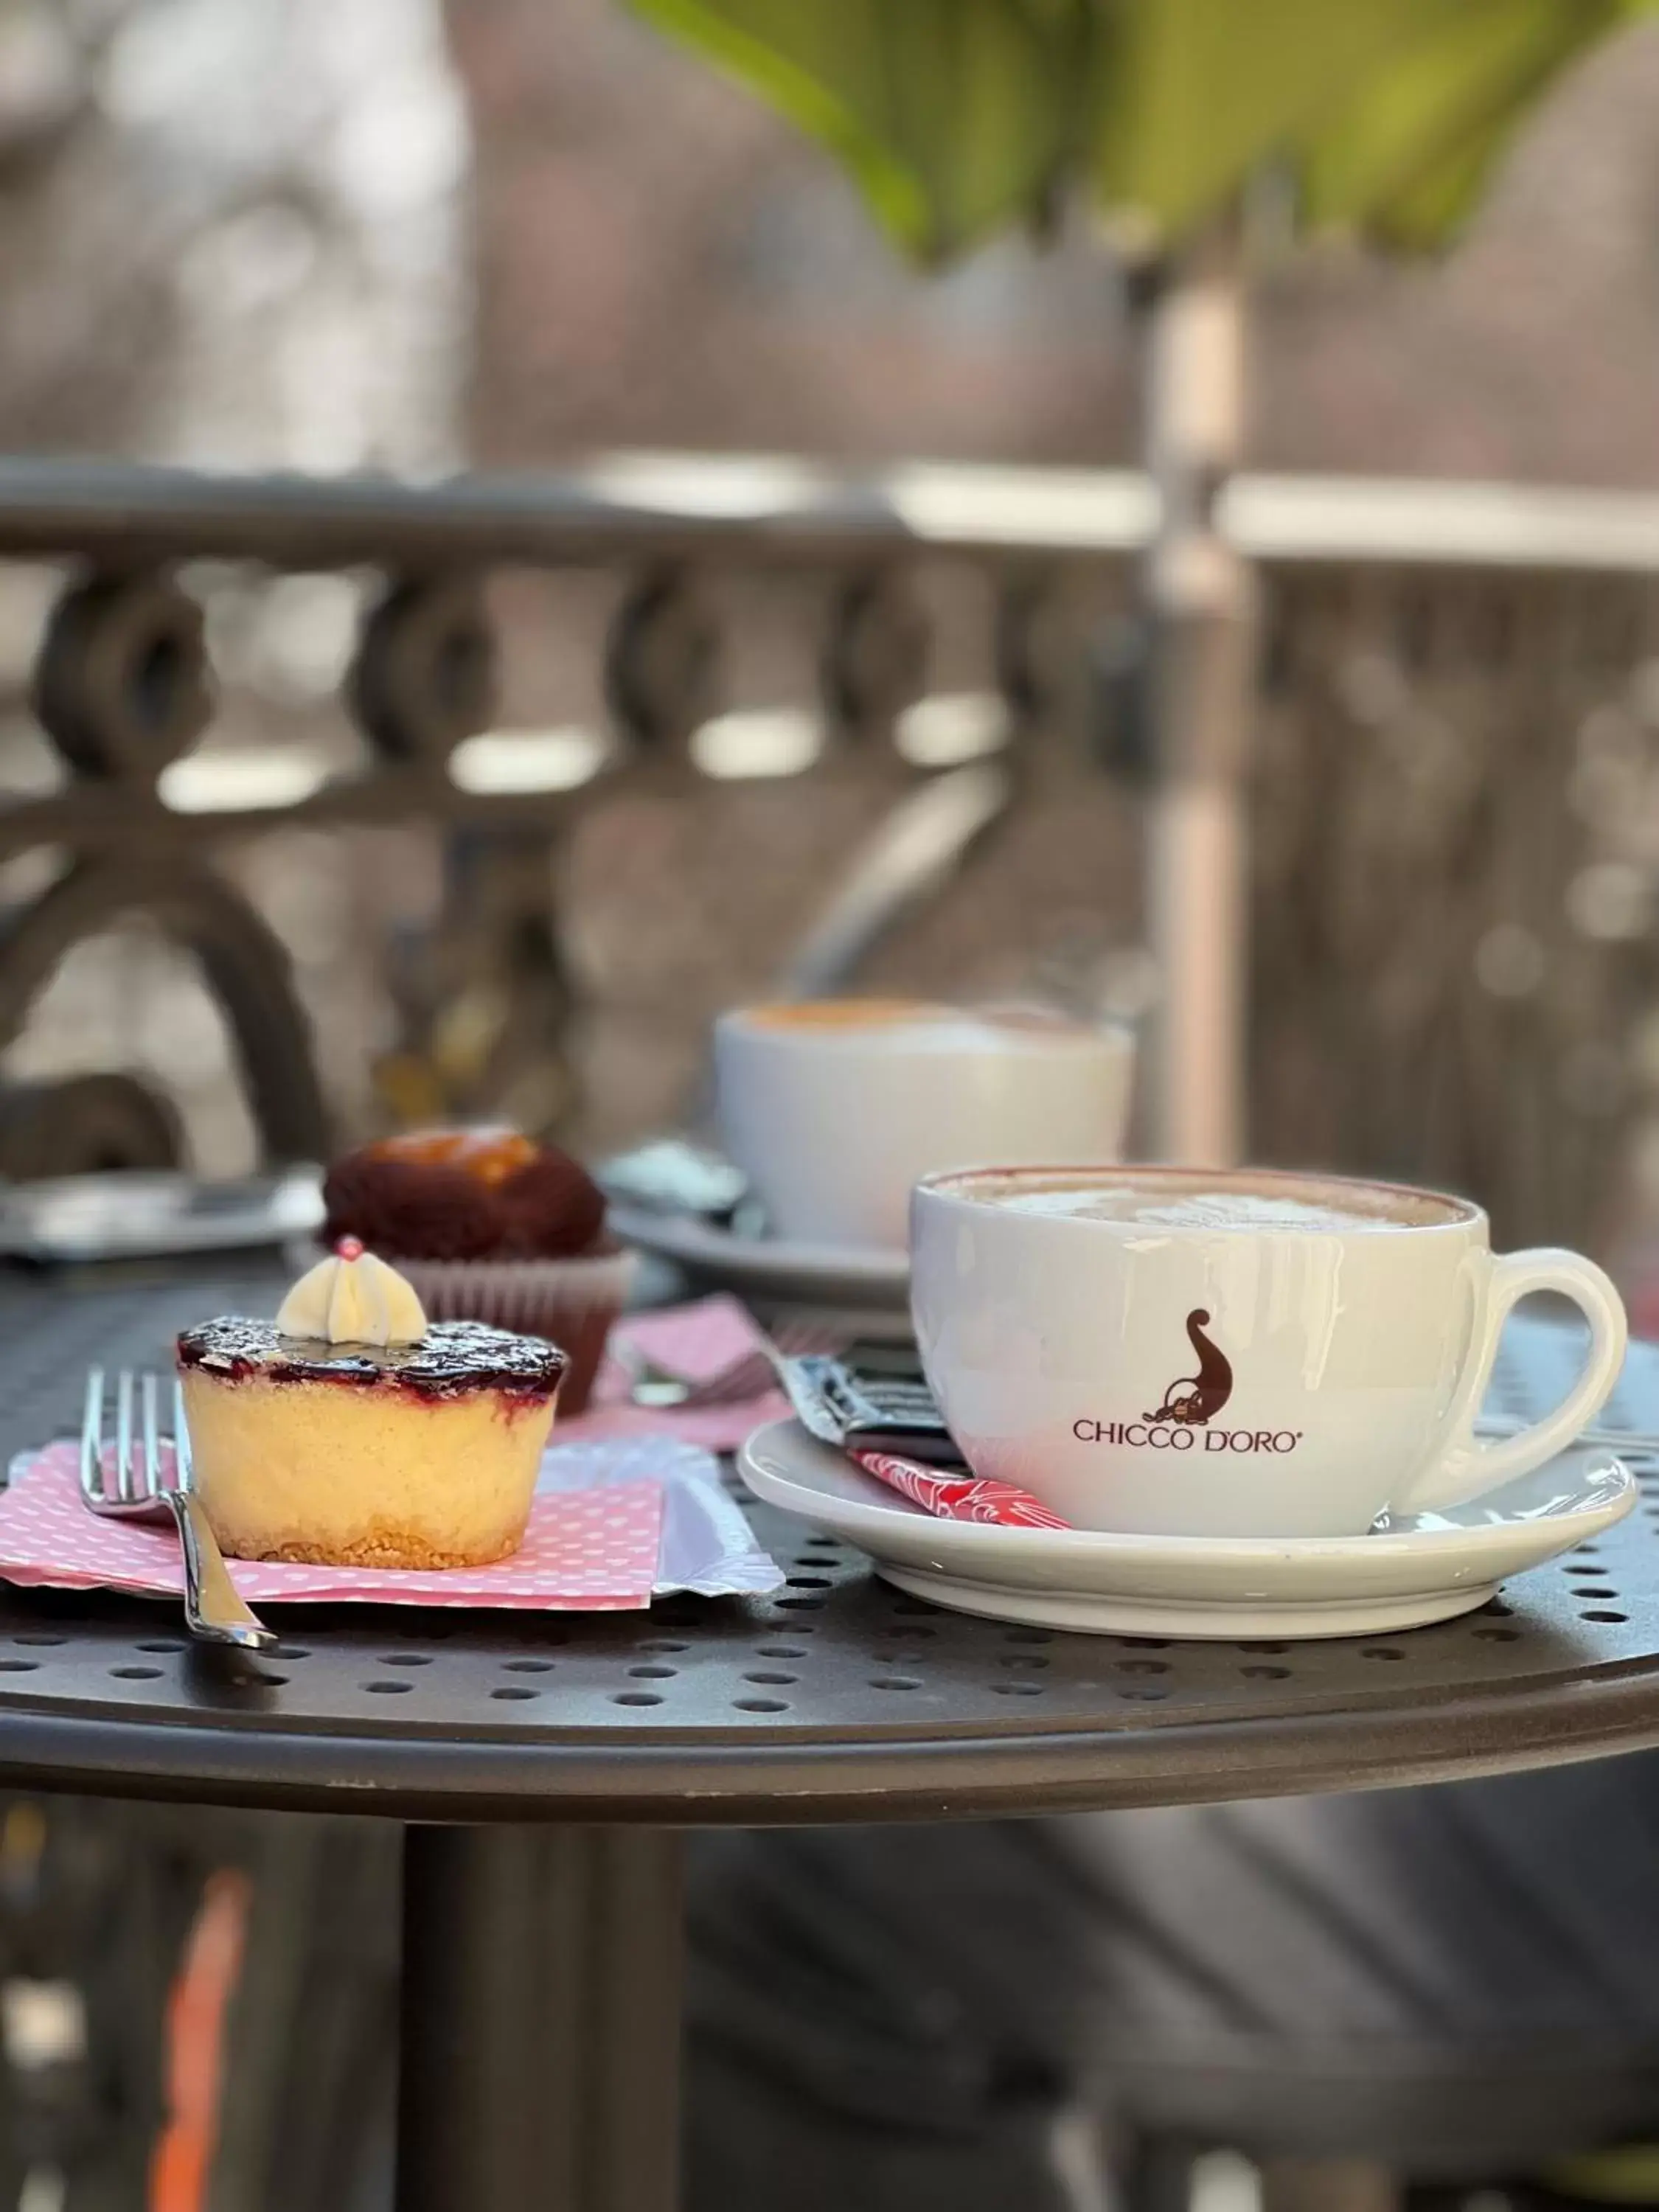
771,1781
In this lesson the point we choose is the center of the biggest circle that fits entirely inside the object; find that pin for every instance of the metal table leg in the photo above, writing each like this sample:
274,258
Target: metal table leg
540,2020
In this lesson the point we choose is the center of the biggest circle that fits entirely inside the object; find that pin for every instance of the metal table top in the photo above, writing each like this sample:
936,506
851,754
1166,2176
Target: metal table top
837,1698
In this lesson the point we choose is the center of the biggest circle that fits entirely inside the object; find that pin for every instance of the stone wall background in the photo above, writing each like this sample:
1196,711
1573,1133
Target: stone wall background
407,236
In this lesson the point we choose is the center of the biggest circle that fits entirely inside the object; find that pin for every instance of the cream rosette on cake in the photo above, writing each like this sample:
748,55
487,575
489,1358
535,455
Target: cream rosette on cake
352,1297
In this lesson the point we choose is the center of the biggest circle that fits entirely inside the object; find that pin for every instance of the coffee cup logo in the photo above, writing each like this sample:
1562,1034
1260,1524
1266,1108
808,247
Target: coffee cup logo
1194,1401
1190,1403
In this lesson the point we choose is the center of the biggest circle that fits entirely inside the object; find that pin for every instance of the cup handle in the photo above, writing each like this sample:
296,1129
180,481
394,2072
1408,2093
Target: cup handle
1470,1468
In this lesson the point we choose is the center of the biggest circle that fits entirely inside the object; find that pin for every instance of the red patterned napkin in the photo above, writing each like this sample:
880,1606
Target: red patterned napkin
958,1496
587,1550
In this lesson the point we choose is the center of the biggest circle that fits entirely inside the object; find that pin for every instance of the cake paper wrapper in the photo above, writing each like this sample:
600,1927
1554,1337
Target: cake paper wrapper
514,1293
571,1302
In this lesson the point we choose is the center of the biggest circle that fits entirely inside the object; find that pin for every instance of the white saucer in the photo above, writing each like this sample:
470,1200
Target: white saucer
1432,1567
768,1267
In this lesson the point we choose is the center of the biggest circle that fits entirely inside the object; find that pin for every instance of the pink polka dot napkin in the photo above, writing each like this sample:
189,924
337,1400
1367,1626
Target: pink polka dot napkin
612,1525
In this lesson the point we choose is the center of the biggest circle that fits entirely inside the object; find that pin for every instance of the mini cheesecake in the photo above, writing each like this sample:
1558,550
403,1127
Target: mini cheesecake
351,1433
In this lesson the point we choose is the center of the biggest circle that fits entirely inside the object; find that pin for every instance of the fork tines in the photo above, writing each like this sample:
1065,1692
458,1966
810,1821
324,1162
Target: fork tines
139,1481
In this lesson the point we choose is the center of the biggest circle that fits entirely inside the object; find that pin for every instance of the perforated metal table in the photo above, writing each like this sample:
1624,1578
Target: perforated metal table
542,1764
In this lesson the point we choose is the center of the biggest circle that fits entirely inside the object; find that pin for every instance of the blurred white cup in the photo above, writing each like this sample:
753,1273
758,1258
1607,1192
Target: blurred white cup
833,1108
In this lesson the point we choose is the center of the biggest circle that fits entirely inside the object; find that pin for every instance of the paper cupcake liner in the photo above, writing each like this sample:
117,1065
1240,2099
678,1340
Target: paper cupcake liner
571,1302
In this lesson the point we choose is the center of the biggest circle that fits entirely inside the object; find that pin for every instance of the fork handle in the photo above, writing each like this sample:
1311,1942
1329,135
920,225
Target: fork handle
213,1610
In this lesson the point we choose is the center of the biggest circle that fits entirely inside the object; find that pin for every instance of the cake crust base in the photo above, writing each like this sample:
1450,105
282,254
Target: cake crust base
410,1553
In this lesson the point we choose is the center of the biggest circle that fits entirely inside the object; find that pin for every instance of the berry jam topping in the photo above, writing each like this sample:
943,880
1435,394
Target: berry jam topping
454,1357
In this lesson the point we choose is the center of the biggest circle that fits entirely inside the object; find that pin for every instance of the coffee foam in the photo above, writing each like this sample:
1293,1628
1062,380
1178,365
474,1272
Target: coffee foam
919,1025
1216,1206
811,1015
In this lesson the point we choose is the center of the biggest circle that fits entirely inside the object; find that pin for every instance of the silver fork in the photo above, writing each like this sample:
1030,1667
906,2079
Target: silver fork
213,1611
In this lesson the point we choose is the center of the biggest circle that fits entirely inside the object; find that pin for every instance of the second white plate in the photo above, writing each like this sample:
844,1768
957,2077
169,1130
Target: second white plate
768,1267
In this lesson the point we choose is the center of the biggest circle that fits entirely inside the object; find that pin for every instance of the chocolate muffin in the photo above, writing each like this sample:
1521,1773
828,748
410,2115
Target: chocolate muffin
489,1226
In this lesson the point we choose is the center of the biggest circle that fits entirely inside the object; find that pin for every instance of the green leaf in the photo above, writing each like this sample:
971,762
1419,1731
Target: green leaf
1407,157
955,118
1195,93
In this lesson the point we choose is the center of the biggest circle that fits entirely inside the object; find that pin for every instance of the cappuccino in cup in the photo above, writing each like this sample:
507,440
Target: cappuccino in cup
1174,1351
1058,1198
835,1108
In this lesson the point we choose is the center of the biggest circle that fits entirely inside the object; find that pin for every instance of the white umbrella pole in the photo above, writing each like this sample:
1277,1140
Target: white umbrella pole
1202,604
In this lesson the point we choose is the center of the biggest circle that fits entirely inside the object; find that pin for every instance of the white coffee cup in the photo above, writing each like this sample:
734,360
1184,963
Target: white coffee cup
1182,1351
835,1108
